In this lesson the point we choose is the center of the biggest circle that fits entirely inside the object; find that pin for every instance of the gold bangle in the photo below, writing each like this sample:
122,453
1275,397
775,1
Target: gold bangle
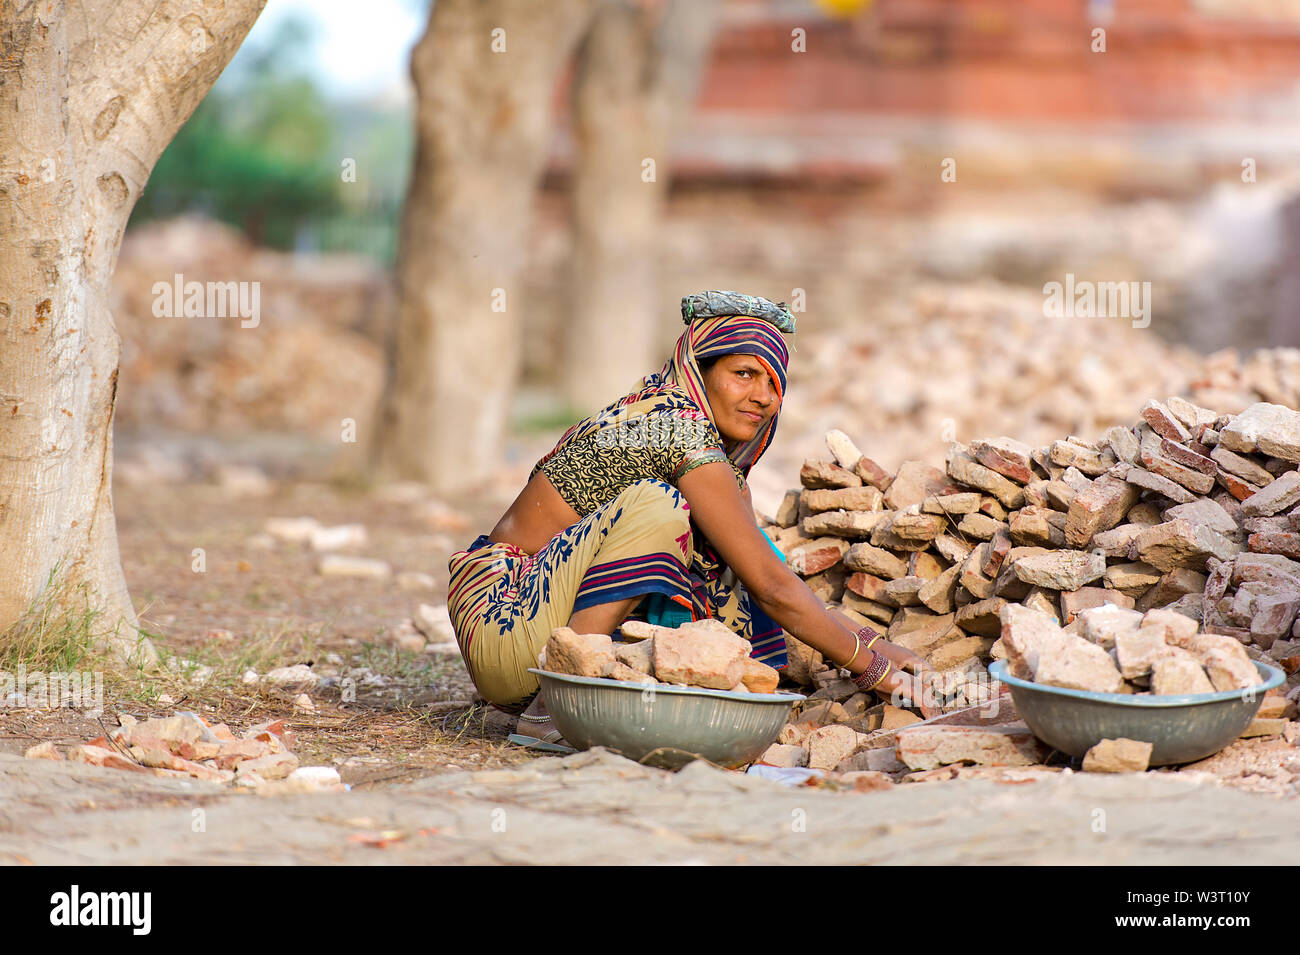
857,648
888,667
873,640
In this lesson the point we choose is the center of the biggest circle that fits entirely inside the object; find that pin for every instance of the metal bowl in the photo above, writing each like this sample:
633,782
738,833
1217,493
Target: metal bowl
662,725
1180,729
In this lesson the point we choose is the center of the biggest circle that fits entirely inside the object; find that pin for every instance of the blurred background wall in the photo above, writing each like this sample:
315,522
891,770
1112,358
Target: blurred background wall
908,173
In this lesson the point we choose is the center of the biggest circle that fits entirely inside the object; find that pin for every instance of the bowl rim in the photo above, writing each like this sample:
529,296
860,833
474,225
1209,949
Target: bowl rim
1275,677
777,696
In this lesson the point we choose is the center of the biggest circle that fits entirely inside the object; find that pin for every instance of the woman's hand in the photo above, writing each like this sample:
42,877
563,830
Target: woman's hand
905,689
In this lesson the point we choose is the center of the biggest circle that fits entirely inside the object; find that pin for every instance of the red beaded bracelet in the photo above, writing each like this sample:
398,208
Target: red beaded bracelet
875,672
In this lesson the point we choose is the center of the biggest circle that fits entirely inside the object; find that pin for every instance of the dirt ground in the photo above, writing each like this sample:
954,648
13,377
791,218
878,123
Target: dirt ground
432,777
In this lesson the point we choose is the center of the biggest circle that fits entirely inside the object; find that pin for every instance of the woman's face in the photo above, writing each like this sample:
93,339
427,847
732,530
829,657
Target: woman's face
742,396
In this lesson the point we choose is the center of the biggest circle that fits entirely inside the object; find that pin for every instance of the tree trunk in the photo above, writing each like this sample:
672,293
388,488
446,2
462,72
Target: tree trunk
638,70
91,92
483,120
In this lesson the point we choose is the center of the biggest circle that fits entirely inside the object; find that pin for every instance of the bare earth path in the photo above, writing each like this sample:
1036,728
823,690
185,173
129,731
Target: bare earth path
597,808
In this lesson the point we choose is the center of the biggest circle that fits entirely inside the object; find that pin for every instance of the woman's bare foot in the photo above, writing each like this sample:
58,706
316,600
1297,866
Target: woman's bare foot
535,722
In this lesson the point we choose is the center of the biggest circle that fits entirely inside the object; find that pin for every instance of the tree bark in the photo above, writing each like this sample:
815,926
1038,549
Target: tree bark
91,92
638,70
483,120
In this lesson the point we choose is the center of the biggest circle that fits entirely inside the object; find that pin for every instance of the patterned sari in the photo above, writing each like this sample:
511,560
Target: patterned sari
635,537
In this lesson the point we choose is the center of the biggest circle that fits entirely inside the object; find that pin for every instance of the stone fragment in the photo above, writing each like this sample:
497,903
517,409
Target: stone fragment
921,631
582,654
1268,428
45,750
1120,755
1060,570
637,656
1163,422
1282,494
1160,484
928,747
843,499
1136,651
916,527
857,525
874,560
828,746
296,677
700,657
951,549
1273,617
937,594
1131,577
1103,625
1123,443
1204,511
1088,459
915,482
801,660
787,512
1033,525
842,448
340,536
1179,631
1006,456
979,526
925,565
1227,671
1179,543
271,766
1025,635
817,555
959,651
784,755
826,474
963,502
966,470
872,473
1176,676
1076,664
1242,467
1118,541
1074,602
759,677
982,618
1264,727
1099,507
1173,586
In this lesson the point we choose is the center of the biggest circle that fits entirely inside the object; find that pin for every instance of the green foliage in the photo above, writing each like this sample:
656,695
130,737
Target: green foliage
263,152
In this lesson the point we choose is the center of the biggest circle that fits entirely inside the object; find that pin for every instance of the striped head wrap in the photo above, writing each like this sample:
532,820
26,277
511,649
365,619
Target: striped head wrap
729,335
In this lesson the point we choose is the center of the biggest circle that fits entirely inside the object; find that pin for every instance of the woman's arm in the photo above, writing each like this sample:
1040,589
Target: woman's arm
721,513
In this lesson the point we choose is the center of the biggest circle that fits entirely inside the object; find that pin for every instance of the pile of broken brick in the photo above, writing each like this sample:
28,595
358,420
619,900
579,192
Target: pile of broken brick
704,653
186,746
1170,549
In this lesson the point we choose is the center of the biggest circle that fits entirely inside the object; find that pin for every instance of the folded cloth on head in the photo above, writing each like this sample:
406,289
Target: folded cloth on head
720,302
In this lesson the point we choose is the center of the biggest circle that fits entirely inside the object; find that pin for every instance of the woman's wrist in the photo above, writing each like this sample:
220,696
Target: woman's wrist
877,669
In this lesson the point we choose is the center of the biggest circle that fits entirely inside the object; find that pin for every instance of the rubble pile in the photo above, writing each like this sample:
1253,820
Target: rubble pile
1163,557
961,360
704,653
186,746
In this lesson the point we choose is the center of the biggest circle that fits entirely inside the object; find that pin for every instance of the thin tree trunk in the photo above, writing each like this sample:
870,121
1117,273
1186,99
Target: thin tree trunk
638,71
91,92
483,120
